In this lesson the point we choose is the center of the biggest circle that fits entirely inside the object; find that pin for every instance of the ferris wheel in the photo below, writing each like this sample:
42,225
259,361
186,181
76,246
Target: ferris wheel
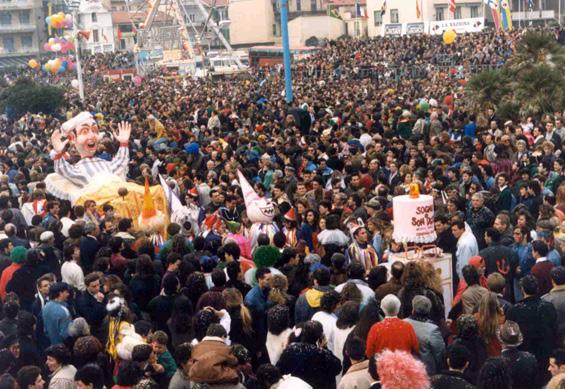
168,33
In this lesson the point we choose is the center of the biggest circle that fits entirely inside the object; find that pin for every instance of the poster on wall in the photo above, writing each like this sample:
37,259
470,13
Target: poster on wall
460,26
415,28
393,29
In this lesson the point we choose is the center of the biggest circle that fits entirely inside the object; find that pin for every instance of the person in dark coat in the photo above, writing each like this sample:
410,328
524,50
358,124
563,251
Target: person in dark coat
523,365
479,218
145,284
24,277
468,336
503,200
309,360
458,359
256,301
500,259
90,304
29,351
538,322
161,307
89,246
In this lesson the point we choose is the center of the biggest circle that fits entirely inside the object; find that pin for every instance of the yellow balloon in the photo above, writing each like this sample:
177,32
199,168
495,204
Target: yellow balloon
32,63
449,37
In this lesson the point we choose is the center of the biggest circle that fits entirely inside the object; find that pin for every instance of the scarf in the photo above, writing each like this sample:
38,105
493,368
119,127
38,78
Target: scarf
365,254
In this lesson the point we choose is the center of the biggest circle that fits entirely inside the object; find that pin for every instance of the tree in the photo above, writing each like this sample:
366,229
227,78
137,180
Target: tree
27,96
488,89
531,83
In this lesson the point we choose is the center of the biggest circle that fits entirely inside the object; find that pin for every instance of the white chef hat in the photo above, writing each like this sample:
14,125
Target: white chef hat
76,122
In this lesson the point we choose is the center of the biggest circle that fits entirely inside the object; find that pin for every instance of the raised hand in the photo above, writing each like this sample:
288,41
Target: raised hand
124,132
57,141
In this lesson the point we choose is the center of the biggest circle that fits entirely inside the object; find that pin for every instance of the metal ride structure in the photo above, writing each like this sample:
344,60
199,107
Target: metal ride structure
167,35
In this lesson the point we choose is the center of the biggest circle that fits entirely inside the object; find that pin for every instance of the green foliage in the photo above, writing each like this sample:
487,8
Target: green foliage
488,88
531,83
27,96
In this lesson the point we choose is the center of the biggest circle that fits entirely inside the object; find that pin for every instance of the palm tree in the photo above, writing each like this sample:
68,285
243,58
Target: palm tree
536,48
488,89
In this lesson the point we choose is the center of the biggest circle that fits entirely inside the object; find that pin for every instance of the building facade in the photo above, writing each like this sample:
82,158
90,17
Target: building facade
252,22
97,19
22,28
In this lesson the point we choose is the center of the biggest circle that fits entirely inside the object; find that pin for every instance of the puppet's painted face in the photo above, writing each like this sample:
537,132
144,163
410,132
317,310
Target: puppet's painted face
86,141
261,210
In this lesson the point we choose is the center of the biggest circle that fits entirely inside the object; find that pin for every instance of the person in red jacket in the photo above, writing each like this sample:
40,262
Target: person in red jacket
391,333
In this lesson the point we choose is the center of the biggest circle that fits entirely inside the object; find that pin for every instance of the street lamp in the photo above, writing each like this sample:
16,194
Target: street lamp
73,6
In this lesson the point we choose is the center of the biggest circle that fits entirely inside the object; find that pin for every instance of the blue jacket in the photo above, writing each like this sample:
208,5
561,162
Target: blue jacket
256,301
56,320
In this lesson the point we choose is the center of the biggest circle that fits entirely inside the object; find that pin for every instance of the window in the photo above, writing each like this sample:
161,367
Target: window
24,17
93,17
378,17
274,29
394,16
191,17
357,30
457,12
439,13
9,44
313,5
27,41
298,5
122,44
95,36
474,11
5,18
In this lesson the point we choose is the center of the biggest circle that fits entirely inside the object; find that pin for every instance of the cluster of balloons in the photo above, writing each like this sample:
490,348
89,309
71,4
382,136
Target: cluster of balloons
449,37
62,45
59,20
137,80
58,66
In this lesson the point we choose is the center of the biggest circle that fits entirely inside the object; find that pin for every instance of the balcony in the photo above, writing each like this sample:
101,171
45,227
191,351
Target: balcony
16,5
534,15
16,28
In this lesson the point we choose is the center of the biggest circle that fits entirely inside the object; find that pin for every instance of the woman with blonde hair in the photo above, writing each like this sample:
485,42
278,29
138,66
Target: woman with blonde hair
489,317
279,293
241,329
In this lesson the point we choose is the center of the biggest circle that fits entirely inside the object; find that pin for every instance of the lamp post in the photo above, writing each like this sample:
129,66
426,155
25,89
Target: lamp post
286,52
73,6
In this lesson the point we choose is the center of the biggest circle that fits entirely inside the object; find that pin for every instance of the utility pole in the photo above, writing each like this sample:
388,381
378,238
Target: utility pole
286,53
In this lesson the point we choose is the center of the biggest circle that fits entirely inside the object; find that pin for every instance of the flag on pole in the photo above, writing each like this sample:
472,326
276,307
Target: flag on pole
418,12
493,5
452,7
383,9
505,14
360,12
531,4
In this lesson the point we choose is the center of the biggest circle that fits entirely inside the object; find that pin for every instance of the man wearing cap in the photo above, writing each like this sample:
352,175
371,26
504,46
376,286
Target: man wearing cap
523,365
82,130
56,316
18,257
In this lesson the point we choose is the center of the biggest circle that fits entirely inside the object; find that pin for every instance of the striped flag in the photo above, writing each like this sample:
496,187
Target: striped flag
505,15
452,6
418,12
383,9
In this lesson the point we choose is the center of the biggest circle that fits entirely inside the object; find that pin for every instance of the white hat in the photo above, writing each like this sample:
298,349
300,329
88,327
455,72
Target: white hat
46,236
77,121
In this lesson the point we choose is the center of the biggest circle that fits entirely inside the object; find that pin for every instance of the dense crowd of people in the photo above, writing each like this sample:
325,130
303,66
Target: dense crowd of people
88,301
